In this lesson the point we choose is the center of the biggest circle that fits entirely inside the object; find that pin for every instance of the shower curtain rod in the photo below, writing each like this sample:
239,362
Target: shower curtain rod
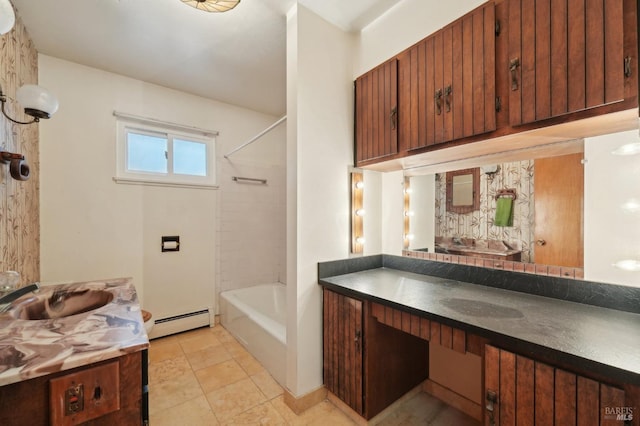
256,137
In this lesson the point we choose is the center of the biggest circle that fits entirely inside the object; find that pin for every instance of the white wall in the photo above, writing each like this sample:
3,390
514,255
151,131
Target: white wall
610,233
320,81
94,228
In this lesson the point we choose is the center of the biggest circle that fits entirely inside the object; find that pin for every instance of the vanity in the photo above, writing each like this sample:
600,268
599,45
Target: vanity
558,350
74,353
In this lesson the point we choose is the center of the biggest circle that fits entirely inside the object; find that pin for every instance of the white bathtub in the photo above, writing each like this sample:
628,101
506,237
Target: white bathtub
256,316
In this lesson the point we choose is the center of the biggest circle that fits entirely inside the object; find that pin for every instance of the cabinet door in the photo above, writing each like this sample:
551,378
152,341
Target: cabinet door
447,82
564,56
376,112
343,348
521,391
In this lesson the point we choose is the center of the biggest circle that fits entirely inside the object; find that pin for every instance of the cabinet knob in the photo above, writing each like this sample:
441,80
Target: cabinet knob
541,242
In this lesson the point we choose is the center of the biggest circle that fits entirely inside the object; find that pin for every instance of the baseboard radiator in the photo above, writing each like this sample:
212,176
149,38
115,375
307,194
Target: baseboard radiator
180,323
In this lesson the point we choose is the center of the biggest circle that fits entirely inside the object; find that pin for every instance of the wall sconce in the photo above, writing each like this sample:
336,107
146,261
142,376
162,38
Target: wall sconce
18,167
7,17
37,102
357,212
406,241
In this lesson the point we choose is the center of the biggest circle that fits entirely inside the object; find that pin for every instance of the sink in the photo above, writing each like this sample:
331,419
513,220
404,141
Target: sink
59,304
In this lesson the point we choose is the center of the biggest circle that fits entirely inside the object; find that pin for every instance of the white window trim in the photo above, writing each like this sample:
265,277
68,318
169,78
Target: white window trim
172,130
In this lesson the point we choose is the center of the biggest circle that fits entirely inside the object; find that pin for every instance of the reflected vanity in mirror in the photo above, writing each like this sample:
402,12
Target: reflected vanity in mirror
462,216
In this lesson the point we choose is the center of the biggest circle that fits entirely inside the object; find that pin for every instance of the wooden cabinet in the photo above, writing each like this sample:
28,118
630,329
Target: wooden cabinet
566,56
359,367
519,390
376,116
31,402
447,83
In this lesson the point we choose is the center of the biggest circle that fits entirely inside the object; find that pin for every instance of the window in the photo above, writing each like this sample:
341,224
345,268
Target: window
151,152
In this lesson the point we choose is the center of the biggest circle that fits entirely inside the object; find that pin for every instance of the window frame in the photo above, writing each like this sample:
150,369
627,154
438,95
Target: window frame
128,124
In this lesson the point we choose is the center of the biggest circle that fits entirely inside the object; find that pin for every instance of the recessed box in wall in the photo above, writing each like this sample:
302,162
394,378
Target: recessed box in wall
170,243
84,395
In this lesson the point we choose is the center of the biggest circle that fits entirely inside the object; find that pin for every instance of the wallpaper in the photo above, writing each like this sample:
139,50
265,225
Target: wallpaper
19,200
479,224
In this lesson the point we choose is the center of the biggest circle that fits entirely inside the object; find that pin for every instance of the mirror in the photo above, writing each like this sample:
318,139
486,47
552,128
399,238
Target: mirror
456,213
463,190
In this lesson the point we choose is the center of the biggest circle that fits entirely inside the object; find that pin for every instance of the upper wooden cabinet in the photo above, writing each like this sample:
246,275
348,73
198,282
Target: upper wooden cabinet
376,121
447,83
565,56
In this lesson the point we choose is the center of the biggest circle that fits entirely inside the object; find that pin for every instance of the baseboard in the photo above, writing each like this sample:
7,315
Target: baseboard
453,399
300,404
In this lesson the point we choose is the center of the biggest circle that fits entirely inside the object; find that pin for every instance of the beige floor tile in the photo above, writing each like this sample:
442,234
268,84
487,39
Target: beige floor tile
173,392
165,348
421,409
263,414
234,399
249,364
324,413
195,412
222,334
236,349
451,416
220,375
208,356
198,340
283,409
168,369
267,384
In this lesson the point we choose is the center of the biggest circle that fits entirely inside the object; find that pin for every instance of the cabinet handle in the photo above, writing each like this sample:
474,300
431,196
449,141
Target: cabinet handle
513,68
447,98
438,99
357,340
394,117
492,401
627,66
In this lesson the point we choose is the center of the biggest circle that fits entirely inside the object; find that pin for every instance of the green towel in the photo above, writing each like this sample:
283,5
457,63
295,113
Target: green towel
504,212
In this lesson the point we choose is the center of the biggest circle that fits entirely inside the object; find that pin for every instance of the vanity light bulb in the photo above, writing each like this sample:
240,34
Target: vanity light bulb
360,240
359,185
408,190
360,212
628,149
409,237
409,213
631,206
628,265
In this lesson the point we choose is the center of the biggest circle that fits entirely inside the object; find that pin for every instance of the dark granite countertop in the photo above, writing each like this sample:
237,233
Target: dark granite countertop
591,333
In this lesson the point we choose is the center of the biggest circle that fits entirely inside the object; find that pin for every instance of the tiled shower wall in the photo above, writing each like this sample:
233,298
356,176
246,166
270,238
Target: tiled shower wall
252,234
19,200
479,224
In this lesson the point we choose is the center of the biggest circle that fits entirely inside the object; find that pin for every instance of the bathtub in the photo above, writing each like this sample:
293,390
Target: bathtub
256,316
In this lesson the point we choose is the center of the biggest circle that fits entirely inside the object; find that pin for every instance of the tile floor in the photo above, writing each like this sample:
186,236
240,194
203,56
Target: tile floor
205,377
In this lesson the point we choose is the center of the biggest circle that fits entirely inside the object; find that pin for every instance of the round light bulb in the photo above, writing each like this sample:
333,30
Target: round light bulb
628,265
360,212
7,17
409,213
628,149
632,205
409,237
359,185
360,240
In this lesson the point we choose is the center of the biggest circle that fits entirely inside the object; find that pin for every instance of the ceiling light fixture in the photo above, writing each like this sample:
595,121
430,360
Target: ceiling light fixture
212,5
7,16
37,102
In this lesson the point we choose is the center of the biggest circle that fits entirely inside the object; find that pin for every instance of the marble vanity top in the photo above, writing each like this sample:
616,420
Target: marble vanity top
33,348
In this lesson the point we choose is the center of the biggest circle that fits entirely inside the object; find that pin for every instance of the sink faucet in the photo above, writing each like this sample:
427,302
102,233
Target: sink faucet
10,297
457,240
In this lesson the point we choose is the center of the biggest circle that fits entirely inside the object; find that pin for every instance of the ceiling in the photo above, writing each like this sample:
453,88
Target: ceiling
237,57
